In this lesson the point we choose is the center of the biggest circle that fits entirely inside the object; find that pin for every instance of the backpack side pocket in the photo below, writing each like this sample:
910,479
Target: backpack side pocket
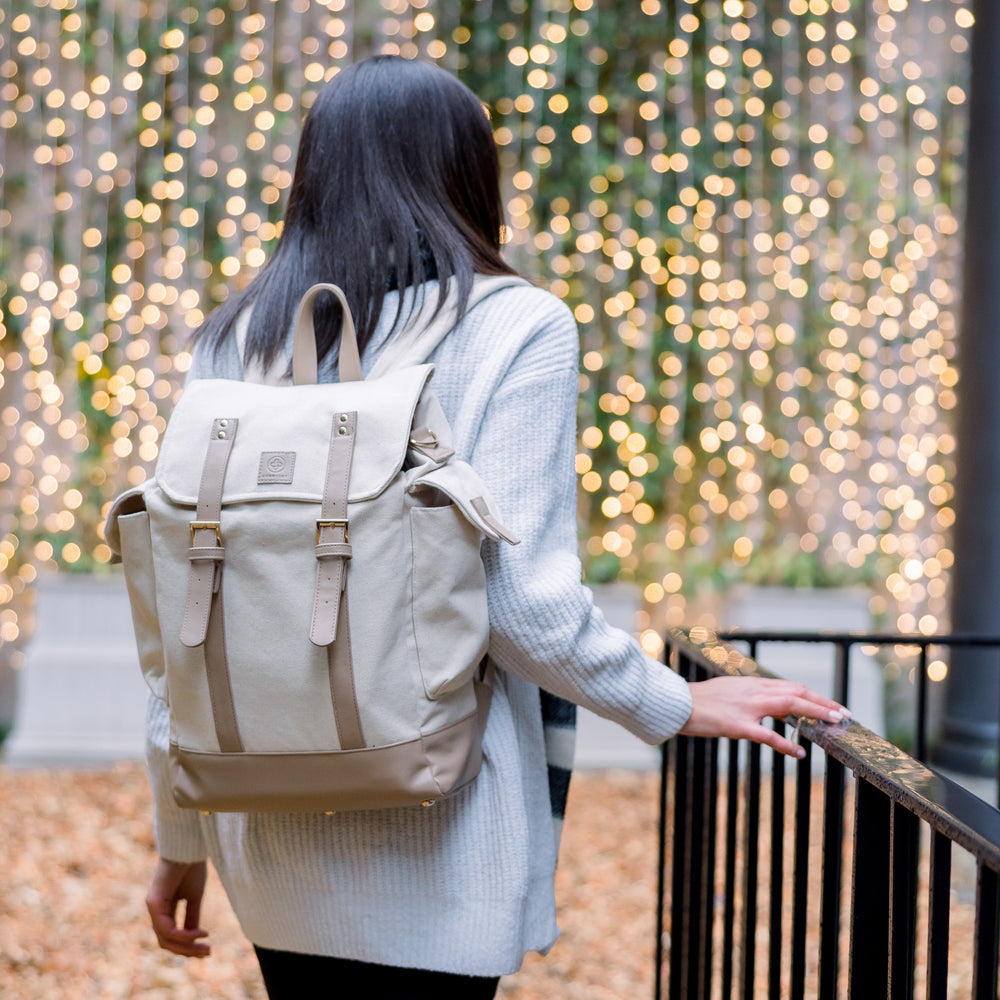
137,558
450,617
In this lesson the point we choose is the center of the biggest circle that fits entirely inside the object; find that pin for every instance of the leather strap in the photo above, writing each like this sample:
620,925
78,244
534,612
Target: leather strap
333,547
342,691
424,440
482,509
304,363
220,690
206,552
330,623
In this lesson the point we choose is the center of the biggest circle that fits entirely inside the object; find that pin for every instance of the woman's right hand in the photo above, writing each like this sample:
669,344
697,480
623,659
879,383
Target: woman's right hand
734,707
174,881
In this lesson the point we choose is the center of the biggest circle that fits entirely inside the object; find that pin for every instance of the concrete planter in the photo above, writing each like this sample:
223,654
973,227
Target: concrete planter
11,663
602,744
812,610
9,683
82,698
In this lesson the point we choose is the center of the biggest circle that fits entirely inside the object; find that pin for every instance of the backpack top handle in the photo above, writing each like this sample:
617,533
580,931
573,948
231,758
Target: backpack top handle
304,362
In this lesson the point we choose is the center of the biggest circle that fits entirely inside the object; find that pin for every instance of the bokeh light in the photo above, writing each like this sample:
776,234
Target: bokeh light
754,219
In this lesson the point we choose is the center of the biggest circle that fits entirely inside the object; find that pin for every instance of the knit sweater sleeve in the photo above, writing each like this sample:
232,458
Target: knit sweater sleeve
544,625
178,832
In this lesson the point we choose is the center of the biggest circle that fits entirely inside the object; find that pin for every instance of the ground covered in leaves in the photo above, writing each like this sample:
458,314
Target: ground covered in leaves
76,852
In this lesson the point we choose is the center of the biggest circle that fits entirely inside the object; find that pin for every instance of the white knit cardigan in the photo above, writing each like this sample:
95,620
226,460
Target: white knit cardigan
465,886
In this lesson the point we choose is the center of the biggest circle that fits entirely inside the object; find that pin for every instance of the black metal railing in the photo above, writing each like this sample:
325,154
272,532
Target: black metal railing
725,856
842,644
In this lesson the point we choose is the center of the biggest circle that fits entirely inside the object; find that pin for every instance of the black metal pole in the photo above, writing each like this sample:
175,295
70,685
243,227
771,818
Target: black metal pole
971,730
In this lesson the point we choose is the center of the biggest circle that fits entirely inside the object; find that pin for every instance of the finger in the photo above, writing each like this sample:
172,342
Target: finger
161,913
168,934
791,705
192,913
826,703
803,693
181,935
182,941
777,742
188,949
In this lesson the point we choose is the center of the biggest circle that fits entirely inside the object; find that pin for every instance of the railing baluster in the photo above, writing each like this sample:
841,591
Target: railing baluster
777,868
905,840
708,868
987,936
681,874
800,888
694,914
667,754
868,973
661,869
938,917
681,869
750,871
829,926
920,751
729,903
841,670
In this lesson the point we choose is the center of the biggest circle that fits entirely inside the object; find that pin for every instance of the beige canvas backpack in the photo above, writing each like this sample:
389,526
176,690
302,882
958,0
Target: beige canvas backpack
307,589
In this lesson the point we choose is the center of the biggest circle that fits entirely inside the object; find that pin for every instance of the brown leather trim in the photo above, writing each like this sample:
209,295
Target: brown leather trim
220,690
402,774
304,363
480,507
204,616
424,440
474,761
332,530
203,579
345,698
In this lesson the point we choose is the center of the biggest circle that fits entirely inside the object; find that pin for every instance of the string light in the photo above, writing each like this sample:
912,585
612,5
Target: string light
753,220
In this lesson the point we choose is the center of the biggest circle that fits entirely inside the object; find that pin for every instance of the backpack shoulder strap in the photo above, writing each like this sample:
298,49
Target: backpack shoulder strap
411,346
416,342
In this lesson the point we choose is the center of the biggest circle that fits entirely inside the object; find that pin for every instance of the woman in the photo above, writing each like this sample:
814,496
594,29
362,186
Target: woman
396,199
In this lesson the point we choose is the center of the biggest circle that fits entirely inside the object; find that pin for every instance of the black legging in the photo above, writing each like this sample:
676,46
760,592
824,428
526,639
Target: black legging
291,976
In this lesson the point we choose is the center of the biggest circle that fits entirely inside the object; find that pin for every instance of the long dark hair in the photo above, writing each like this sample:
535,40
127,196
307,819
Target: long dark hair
396,182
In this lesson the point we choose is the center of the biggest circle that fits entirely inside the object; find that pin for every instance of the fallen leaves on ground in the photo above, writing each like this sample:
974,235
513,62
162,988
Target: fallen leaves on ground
77,852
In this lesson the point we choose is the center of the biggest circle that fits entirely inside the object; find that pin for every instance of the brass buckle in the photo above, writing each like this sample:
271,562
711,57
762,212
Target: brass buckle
201,525
333,522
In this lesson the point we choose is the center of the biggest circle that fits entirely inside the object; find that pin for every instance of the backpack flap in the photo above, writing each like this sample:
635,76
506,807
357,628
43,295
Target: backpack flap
278,453
458,481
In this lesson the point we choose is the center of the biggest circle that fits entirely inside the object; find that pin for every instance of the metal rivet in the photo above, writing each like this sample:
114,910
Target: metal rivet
222,434
223,423
206,812
330,813
343,418
427,802
341,430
